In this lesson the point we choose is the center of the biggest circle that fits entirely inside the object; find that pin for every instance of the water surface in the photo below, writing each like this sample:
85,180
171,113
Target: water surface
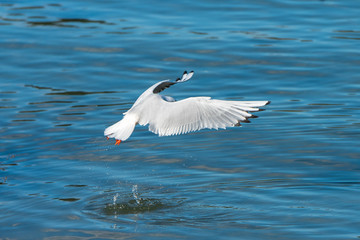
70,69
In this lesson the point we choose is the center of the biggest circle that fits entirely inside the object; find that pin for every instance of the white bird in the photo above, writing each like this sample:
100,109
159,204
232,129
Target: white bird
166,116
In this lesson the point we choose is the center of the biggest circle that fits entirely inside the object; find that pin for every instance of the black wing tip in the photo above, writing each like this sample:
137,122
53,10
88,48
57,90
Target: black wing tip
167,84
184,76
238,124
268,102
159,88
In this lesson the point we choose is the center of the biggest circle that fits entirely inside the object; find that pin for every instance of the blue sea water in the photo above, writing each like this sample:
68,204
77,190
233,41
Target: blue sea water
69,69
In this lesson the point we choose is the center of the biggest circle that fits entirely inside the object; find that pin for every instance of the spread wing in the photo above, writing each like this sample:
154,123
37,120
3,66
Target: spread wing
192,114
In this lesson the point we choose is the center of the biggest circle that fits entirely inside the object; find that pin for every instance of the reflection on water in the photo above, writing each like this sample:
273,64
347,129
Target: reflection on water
70,69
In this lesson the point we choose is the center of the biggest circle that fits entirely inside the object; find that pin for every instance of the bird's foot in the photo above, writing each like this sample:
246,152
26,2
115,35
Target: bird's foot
117,142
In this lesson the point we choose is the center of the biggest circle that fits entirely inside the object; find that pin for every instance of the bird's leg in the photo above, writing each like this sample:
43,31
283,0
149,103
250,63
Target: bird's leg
117,142
107,138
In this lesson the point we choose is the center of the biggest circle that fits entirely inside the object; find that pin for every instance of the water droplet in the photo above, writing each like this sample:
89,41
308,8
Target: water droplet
135,194
115,198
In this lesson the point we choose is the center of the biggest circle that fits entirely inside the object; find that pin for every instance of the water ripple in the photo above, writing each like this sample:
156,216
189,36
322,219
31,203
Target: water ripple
72,68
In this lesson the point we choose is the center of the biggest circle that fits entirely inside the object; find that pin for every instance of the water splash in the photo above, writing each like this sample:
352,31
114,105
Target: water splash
136,194
115,198
121,204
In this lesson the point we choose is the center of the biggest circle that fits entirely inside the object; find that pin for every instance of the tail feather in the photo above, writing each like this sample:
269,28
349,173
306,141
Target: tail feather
122,129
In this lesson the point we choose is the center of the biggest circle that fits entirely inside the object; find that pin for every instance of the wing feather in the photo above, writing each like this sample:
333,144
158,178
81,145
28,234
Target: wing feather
192,114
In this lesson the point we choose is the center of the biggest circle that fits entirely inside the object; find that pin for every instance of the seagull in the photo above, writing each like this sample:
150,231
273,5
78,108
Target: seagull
167,117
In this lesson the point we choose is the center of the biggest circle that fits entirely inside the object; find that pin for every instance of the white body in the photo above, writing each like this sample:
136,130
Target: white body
168,117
